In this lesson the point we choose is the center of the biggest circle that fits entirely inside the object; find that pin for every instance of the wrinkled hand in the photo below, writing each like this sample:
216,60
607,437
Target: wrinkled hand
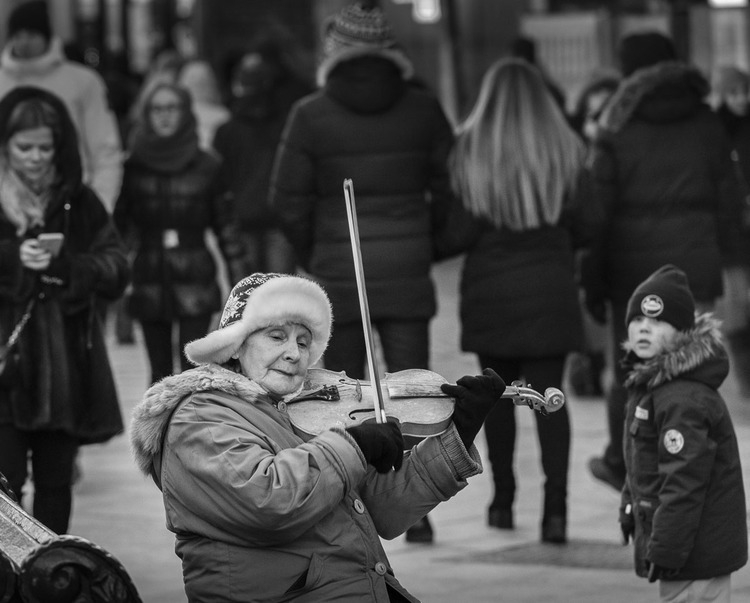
381,444
627,523
659,572
475,398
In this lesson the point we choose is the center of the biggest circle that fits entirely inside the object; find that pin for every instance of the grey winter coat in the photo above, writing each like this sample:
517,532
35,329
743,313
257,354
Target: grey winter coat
684,479
261,515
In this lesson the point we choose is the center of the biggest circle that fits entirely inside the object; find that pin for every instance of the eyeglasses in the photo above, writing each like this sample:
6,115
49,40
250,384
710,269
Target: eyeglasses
171,108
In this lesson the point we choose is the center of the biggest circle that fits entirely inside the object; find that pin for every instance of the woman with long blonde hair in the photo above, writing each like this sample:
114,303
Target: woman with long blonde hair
516,168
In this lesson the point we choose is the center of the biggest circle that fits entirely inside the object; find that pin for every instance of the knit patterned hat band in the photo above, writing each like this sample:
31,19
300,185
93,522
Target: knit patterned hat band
358,31
263,300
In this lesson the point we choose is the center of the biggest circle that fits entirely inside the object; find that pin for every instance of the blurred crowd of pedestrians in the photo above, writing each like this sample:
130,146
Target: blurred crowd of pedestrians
560,208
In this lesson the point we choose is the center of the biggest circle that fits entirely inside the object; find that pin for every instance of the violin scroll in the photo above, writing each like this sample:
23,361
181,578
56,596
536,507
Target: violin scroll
552,400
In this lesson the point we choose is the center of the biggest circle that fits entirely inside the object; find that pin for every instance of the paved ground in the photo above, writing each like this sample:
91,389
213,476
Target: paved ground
121,511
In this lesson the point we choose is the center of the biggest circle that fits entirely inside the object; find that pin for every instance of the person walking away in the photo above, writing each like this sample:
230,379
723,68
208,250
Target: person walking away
731,89
392,139
33,56
587,371
57,390
258,512
683,503
171,195
264,87
663,178
516,167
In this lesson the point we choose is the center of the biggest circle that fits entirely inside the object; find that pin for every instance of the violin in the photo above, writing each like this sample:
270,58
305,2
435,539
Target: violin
330,399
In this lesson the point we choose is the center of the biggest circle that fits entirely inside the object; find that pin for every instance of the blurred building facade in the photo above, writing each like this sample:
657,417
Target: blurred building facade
451,42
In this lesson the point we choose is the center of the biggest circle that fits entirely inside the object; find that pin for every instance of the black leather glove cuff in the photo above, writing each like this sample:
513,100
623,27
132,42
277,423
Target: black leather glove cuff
381,444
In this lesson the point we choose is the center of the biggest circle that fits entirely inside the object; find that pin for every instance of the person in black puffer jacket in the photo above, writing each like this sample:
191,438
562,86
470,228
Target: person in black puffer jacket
662,174
171,194
369,123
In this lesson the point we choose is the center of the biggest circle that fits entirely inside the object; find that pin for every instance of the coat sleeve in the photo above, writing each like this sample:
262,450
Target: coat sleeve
98,265
601,183
730,200
686,455
292,193
435,470
225,224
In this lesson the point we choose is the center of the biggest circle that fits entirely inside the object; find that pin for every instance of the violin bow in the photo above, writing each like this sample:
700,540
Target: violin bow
351,212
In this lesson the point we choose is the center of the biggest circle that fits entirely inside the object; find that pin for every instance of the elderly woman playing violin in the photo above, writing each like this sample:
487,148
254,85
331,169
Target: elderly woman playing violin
261,514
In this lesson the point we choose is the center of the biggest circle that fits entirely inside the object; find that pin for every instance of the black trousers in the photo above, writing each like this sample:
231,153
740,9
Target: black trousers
160,344
53,454
553,432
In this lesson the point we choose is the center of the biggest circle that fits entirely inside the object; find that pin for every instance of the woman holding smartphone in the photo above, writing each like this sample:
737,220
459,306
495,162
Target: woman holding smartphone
59,253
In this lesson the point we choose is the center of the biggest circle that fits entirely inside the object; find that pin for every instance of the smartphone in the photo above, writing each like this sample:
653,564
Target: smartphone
51,241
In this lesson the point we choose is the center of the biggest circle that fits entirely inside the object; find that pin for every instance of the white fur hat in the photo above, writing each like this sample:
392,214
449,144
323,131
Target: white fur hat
263,300
360,31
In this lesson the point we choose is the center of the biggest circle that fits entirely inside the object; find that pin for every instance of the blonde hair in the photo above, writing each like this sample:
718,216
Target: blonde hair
515,158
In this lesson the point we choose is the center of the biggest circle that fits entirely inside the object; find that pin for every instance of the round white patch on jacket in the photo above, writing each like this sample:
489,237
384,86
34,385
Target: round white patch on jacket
673,441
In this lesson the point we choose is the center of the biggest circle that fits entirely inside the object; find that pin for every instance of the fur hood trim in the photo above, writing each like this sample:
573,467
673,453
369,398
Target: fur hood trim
151,416
628,96
690,349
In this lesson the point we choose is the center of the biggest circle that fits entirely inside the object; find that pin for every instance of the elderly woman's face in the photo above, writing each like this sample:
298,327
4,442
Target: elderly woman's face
165,112
31,153
277,358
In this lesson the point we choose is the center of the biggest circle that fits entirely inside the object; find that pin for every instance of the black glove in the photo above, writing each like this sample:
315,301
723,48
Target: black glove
475,397
627,523
381,444
658,572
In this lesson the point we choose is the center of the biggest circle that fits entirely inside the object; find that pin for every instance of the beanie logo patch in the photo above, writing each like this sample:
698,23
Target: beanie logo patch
652,306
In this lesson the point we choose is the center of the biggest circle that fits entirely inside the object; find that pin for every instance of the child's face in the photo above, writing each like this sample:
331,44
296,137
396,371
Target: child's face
648,337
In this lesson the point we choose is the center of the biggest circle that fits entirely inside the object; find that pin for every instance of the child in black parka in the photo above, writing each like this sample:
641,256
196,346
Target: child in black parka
683,502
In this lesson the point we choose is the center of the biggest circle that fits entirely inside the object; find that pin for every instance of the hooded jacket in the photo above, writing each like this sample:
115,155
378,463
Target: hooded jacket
64,381
259,514
85,95
392,139
662,175
684,478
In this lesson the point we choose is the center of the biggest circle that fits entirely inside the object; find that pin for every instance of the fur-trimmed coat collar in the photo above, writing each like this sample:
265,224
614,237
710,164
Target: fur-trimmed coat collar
697,354
151,416
668,91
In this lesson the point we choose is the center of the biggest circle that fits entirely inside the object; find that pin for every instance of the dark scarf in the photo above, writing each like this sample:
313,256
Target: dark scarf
164,153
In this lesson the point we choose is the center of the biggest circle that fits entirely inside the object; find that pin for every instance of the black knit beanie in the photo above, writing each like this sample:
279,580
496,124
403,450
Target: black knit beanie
665,295
644,50
30,16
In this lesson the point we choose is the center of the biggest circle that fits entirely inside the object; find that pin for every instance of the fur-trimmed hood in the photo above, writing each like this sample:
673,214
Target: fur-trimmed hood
697,353
151,416
668,91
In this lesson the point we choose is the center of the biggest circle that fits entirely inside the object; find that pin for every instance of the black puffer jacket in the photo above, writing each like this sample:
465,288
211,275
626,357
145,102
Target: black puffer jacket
519,297
684,478
167,214
663,176
392,139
